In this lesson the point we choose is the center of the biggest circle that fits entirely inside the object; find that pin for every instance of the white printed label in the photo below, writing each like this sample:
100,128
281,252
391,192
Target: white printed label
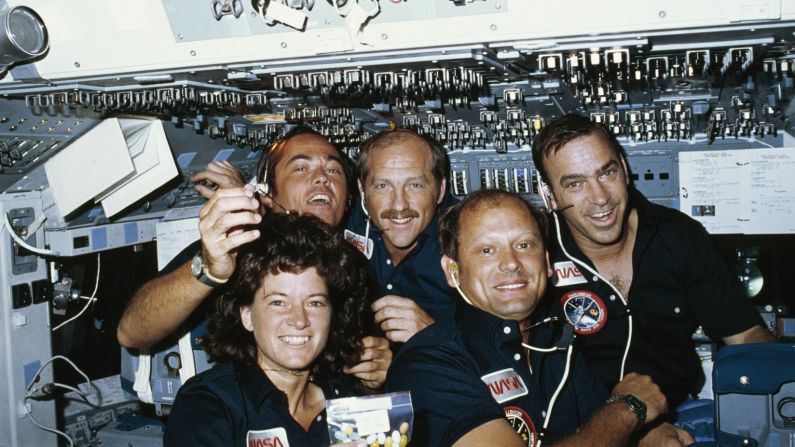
372,422
566,274
505,385
365,246
274,437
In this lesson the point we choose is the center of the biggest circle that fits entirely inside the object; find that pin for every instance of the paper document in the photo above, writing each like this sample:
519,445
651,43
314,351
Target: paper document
117,163
89,166
749,191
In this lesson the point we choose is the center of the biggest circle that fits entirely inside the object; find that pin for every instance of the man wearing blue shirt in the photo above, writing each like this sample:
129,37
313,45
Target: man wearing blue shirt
403,186
501,368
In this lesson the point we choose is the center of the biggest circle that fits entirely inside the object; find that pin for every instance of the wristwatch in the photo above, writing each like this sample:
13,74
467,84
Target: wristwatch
634,404
199,270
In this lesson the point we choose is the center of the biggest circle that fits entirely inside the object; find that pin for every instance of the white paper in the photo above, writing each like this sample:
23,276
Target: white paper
157,168
173,236
749,191
91,165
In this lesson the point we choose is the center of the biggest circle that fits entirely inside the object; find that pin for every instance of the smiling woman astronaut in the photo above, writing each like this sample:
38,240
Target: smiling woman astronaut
292,317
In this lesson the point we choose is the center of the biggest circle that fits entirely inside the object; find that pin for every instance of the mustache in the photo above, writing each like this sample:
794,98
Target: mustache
400,214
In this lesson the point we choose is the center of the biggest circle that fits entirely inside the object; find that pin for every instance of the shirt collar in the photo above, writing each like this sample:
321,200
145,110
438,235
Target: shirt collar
255,383
491,329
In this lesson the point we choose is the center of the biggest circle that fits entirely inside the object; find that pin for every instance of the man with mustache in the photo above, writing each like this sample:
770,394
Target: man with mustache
402,179
635,278
301,173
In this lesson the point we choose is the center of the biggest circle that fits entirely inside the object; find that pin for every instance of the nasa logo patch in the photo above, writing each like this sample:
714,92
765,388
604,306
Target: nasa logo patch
505,385
585,311
273,437
522,423
365,246
567,274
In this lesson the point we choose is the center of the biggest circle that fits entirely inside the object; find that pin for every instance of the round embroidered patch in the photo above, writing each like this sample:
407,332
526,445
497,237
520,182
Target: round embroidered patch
585,311
522,423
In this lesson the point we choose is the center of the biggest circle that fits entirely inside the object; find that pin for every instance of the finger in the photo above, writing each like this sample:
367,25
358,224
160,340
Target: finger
685,437
222,178
371,341
204,190
362,367
392,301
222,195
239,239
220,208
227,224
399,336
373,376
391,312
374,354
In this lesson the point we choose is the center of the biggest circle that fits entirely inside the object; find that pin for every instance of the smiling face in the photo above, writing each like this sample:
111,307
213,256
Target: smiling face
290,318
502,264
309,178
589,174
401,193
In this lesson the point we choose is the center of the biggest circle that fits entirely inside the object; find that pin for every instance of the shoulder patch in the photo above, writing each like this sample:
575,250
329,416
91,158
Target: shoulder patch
365,246
272,437
522,423
585,311
566,274
505,385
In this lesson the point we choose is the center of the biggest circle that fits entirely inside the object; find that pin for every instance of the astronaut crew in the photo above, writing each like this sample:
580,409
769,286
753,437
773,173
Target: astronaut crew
636,401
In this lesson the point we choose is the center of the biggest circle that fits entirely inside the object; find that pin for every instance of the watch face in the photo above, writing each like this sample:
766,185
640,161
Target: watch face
522,423
196,265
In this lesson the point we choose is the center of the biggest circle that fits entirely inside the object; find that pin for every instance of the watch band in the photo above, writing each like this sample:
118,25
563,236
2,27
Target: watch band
199,271
210,280
635,405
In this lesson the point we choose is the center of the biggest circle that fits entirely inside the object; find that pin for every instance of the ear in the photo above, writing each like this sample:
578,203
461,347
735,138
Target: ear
361,188
245,318
442,189
449,265
626,170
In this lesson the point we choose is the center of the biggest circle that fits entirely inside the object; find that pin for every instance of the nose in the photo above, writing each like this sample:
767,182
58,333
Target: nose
509,261
598,193
321,176
399,199
298,318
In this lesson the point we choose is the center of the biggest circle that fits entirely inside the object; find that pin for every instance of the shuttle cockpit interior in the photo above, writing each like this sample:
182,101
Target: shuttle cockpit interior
108,108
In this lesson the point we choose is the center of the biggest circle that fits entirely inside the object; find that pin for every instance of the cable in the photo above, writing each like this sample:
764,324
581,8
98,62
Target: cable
29,393
49,429
21,242
620,296
91,299
555,395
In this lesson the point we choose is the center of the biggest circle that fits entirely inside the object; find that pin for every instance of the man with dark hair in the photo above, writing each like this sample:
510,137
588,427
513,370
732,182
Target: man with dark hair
402,179
634,278
301,173
501,368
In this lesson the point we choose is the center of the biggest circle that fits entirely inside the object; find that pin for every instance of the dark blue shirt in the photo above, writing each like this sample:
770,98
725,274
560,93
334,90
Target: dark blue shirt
419,275
679,282
228,406
457,372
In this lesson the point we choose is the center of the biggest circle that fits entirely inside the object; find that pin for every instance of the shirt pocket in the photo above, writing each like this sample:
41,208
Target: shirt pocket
665,319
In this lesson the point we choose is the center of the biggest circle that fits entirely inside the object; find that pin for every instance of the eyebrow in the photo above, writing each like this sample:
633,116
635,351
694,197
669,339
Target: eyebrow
324,295
604,167
301,157
422,177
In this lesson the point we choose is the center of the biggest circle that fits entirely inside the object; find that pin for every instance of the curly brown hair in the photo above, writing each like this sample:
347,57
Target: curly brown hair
292,244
